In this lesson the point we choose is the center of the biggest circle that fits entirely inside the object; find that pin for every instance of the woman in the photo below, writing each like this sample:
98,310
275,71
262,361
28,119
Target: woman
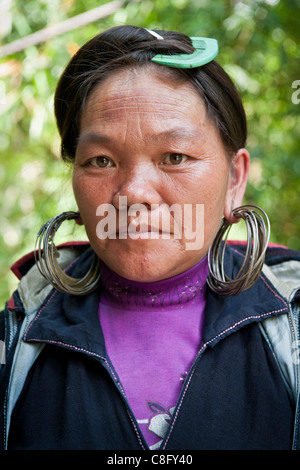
144,342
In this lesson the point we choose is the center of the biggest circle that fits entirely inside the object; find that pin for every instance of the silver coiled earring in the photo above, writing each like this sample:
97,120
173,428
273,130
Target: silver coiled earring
258,235
46,256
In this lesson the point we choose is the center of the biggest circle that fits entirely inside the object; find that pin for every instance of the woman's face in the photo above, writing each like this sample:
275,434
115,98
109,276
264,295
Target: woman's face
144,145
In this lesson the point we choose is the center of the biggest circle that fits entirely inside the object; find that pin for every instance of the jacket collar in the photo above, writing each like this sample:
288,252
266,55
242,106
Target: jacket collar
72,321
225,315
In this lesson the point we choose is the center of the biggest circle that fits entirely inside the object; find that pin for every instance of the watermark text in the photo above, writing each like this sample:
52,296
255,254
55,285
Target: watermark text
160,221
296,94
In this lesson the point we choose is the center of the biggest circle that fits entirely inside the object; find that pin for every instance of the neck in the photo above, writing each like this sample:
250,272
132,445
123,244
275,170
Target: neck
174,292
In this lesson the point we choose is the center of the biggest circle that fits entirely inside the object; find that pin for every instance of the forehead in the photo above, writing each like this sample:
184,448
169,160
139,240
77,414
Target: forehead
143,93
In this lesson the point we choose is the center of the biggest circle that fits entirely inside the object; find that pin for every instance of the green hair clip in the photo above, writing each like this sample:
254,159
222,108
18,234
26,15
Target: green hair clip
206,51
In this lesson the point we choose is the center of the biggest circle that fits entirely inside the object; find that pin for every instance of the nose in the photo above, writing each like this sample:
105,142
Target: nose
139,186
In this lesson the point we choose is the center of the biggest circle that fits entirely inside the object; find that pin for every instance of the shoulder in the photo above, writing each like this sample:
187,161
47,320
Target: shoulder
281,268
275,253
69,250
33,288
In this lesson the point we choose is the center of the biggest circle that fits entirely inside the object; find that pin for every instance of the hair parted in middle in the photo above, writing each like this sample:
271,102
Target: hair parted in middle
123,47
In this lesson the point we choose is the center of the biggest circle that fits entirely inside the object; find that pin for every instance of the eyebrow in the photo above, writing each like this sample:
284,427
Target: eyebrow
92,137
176,134
171,134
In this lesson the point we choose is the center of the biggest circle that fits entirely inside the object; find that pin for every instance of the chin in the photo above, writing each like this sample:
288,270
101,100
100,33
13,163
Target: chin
144,260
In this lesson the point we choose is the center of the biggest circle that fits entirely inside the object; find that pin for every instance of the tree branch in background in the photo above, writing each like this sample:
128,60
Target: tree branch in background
60,28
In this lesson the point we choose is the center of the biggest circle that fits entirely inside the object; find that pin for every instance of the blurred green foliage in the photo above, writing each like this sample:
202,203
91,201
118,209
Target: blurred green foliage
259,47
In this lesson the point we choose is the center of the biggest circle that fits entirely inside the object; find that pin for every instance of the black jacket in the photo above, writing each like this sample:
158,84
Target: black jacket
234,397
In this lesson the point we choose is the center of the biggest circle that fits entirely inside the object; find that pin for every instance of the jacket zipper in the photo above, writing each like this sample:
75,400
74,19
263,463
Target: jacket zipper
13,332
109,367
185,387
191,373
12,328
294,325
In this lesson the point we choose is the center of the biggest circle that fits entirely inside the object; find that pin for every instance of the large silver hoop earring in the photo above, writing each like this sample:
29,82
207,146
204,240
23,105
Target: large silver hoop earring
46,256
258,235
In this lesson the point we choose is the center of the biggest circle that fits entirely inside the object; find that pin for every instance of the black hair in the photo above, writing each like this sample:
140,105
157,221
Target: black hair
131,46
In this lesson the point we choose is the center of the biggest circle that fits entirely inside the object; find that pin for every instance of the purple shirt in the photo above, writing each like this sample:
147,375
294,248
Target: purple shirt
152,334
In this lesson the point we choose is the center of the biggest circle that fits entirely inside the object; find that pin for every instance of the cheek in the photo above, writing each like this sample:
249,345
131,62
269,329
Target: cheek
215,202
88,197
208,186
211,191
89,191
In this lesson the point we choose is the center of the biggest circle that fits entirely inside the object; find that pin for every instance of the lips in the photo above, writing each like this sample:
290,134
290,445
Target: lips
136,229
145,224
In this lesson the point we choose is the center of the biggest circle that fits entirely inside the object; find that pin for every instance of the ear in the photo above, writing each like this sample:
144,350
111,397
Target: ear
78,221
237,183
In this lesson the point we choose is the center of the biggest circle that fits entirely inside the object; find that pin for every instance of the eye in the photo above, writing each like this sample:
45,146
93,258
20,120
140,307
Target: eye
175,158
100,162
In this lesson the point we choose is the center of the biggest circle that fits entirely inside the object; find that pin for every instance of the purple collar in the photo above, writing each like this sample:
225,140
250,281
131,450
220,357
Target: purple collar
189,286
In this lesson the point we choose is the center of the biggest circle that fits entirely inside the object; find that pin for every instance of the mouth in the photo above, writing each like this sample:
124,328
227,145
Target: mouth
146,227
142,231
